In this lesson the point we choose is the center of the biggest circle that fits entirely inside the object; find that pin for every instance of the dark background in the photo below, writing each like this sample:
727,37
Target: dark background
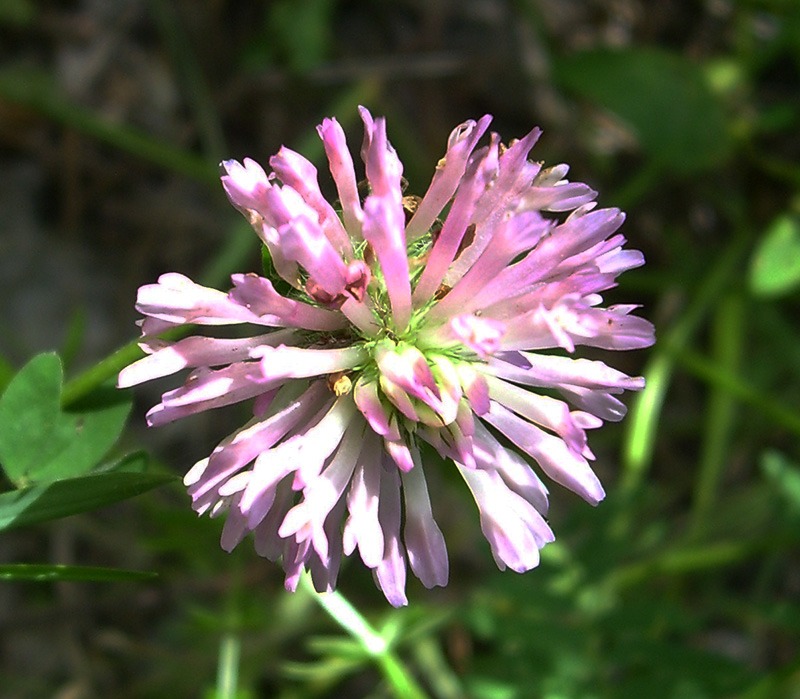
683,584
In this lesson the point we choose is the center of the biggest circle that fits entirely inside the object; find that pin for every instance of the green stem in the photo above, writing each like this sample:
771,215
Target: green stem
228,666
83,384
89,380
683,561
230,645
727,347
767,406
374,645
643,421
441,677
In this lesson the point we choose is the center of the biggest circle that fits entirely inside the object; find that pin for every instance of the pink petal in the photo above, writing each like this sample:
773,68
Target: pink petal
490,455
284,362
390,574
245,184
383,229
365,394
405,366
513,527
298,173
259,296
551,192
257,437
424,542
206,389
447,176
194,351
303,454
545,411
479,175
514,176
177,299
483,336
400,454
475,388
551,453
363,527
341,166
267,542
307,519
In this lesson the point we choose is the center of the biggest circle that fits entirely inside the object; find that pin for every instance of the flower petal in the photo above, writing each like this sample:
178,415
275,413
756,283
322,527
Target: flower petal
513,527
259,296
341,166
177,299
282,362
480,173
307,518
390,573
209,388
424,542
168,358
551,453
300,174
447,176
490,455
256,437
245,184
363,527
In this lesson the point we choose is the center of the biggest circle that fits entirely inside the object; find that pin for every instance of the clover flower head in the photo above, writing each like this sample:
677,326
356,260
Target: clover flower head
450,320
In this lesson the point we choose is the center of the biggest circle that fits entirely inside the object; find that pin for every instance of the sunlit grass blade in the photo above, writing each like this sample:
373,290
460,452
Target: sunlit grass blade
374,644
644,418
727,339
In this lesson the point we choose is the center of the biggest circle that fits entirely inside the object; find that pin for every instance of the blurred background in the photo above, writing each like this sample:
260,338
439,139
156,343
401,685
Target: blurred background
683,584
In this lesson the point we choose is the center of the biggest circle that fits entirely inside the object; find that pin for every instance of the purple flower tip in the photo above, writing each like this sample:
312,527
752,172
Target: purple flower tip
410,320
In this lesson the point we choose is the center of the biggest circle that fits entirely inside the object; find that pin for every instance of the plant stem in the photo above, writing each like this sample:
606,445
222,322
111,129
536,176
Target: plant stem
83,384
643,421
228,666
375,646
89,380
727,340
767,406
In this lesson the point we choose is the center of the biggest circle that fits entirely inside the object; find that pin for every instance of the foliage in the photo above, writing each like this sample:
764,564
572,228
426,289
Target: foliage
681,585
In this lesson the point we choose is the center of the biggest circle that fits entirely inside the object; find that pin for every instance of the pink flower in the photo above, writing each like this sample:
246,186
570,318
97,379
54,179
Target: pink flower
403,325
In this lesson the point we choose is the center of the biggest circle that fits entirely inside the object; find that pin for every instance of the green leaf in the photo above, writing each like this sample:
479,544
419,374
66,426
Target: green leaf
57,573
136,462
775,265
784,475
664,98
6,373
39,441
42,503
28,413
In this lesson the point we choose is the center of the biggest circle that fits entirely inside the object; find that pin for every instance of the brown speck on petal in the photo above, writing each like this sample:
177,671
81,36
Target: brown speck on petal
441,292
467,240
